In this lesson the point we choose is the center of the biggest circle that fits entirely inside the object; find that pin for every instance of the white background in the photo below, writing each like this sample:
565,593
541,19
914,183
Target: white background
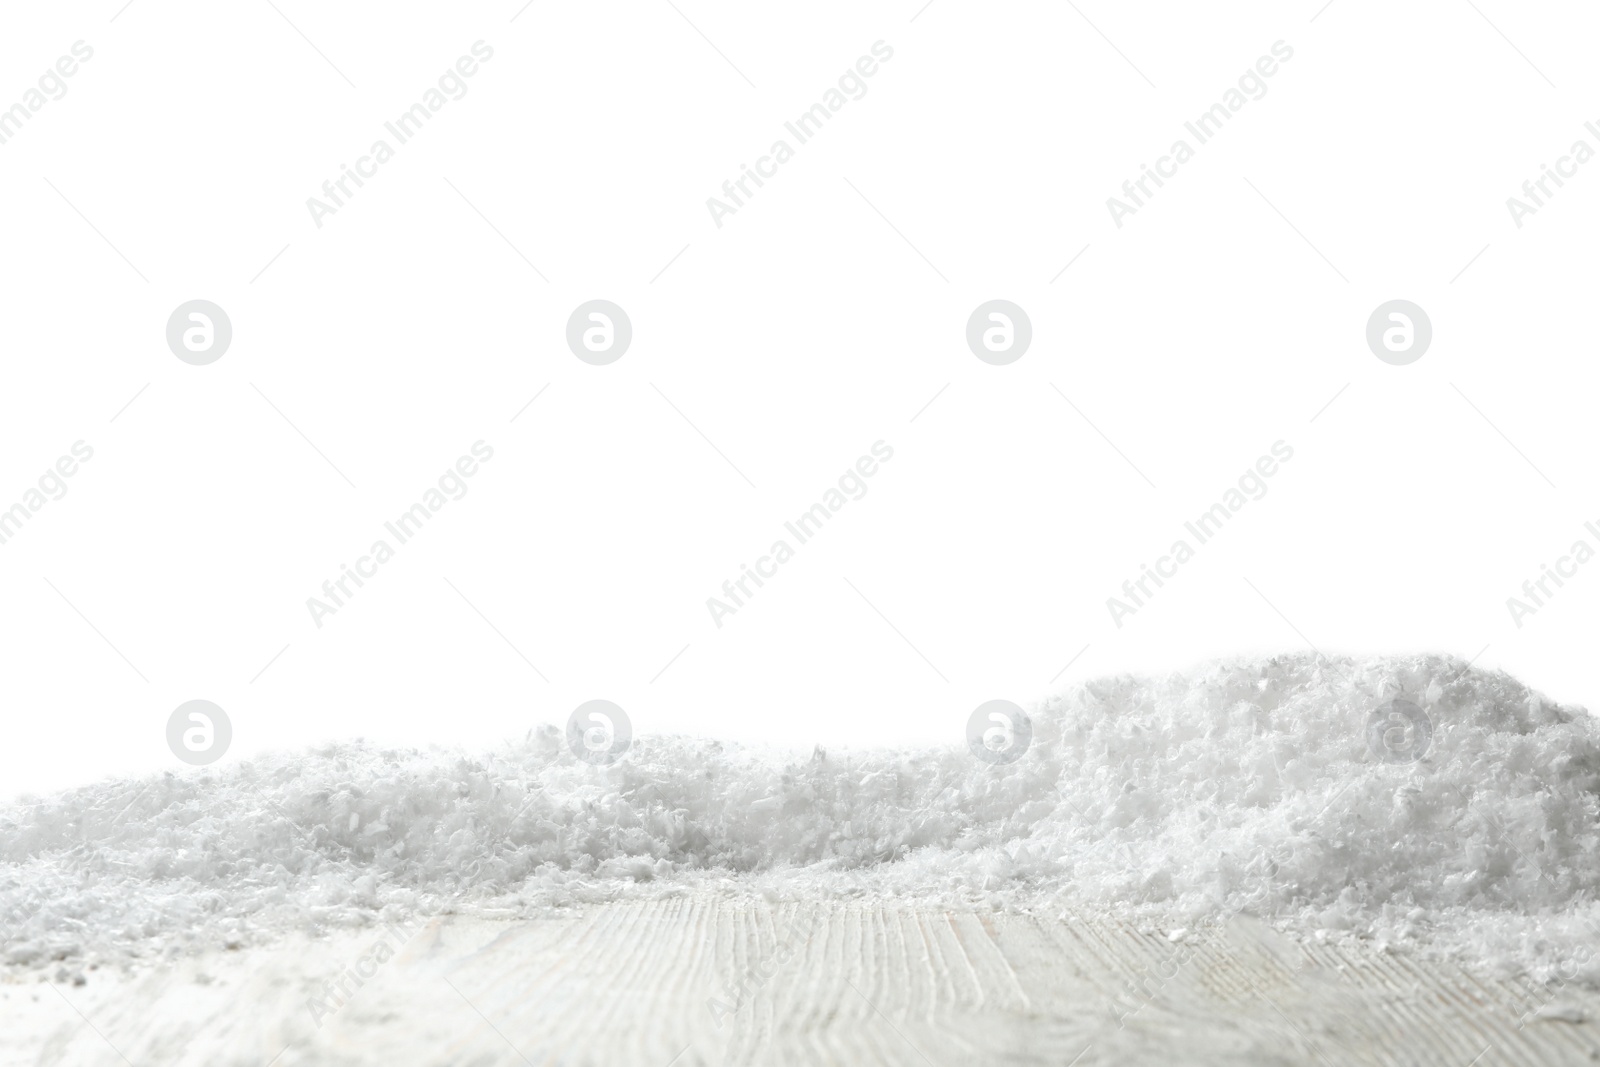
803,330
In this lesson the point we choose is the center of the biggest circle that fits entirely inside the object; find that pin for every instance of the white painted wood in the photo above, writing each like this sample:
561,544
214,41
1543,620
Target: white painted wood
653,984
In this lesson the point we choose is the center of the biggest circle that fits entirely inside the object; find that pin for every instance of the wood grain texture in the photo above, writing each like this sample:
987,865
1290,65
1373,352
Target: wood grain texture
695,981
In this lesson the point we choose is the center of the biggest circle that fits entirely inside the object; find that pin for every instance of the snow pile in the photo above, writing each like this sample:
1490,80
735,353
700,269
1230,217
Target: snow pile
1177,801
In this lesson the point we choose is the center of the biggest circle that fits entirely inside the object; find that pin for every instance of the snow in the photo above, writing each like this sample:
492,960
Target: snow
1175,802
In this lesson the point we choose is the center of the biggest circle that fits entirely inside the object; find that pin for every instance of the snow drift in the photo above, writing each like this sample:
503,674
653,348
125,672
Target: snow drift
1173,801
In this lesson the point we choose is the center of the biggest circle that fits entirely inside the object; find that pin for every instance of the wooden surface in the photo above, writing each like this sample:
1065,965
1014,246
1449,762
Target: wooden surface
658,984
